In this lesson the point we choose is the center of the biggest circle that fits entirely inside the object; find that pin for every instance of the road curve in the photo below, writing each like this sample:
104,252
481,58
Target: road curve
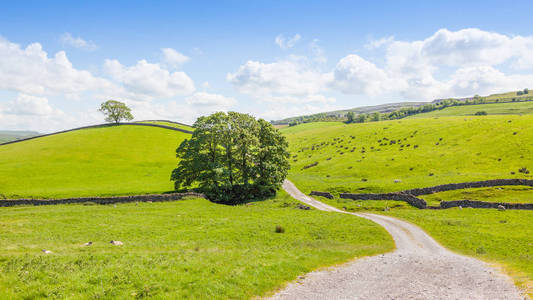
419,268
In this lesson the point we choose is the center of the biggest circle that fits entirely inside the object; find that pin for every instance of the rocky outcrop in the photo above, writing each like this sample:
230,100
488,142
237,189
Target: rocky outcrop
103,200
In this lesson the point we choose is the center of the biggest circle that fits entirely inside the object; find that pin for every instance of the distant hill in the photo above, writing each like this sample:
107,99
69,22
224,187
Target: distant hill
339,115
12,135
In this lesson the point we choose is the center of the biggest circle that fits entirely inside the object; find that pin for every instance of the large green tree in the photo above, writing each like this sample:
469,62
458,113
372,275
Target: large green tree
115,111
232,153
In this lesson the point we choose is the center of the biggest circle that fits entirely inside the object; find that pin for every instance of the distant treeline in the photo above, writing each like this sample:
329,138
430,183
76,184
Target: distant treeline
353,117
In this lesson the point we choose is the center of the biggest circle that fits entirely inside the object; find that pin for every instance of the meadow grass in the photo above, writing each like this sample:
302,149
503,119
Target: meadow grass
513,108
508,194
170,124
504,238
185,249
425,152
116,160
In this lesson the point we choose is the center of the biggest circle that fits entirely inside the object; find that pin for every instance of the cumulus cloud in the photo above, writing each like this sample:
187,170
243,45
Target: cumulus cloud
77,42
213,100
287,77
465,60
310,99
32,71
28,105
173,58
147,80
33,113
287,42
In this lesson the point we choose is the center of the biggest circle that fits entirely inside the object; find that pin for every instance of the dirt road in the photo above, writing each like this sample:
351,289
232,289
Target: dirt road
419,268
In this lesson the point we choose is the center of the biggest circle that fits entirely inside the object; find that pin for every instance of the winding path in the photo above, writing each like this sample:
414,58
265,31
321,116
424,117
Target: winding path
419,268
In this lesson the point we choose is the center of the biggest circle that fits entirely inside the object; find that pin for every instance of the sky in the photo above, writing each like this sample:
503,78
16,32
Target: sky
178,60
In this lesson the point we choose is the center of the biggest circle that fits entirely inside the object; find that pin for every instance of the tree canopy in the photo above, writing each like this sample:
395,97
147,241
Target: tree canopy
115,111
231,156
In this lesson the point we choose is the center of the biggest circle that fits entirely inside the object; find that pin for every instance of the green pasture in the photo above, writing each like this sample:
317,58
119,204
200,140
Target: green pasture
411,153
190,249
116,160
513,108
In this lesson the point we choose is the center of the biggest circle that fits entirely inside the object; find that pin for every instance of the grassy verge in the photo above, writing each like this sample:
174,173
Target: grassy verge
185,249
503,238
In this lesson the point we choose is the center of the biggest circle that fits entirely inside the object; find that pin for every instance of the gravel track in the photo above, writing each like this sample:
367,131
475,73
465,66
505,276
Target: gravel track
419,268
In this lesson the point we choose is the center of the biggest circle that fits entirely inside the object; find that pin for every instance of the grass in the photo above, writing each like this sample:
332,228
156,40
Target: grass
508,194
117,160
171,124
426,152
503,238
513,108
185,249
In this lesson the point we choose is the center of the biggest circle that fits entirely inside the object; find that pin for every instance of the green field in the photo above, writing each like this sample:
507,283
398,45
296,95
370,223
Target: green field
116,160
166,123
500,237
184,249
508,194
513,108
425,152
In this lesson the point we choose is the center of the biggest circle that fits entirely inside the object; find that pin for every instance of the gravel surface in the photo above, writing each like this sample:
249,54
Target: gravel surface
420,268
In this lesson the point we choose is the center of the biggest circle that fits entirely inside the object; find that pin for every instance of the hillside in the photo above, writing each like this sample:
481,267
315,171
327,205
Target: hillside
382,108
512,108
370,157
116,160
385,109
12,135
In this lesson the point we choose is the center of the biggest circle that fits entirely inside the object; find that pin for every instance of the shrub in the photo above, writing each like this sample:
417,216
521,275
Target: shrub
280,229
481,113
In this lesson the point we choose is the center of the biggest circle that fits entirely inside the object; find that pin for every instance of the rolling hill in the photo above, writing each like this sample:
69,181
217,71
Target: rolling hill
410,153
112,160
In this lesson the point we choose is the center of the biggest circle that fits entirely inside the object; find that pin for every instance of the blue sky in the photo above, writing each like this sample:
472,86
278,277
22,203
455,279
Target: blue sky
177,60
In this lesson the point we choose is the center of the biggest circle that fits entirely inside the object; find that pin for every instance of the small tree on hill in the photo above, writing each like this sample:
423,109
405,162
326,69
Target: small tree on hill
232,158
115,111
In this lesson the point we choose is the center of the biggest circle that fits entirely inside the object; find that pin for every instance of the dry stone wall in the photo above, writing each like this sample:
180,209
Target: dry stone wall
103,200
468,185
482,204
409,196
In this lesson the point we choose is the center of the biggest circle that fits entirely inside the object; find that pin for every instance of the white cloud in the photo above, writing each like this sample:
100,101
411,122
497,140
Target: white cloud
286,43
28,105
32,71
318,52
355,75
310,99
287,77
78,42
173,58
146,80
375,44
213,100
32,113
465,62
